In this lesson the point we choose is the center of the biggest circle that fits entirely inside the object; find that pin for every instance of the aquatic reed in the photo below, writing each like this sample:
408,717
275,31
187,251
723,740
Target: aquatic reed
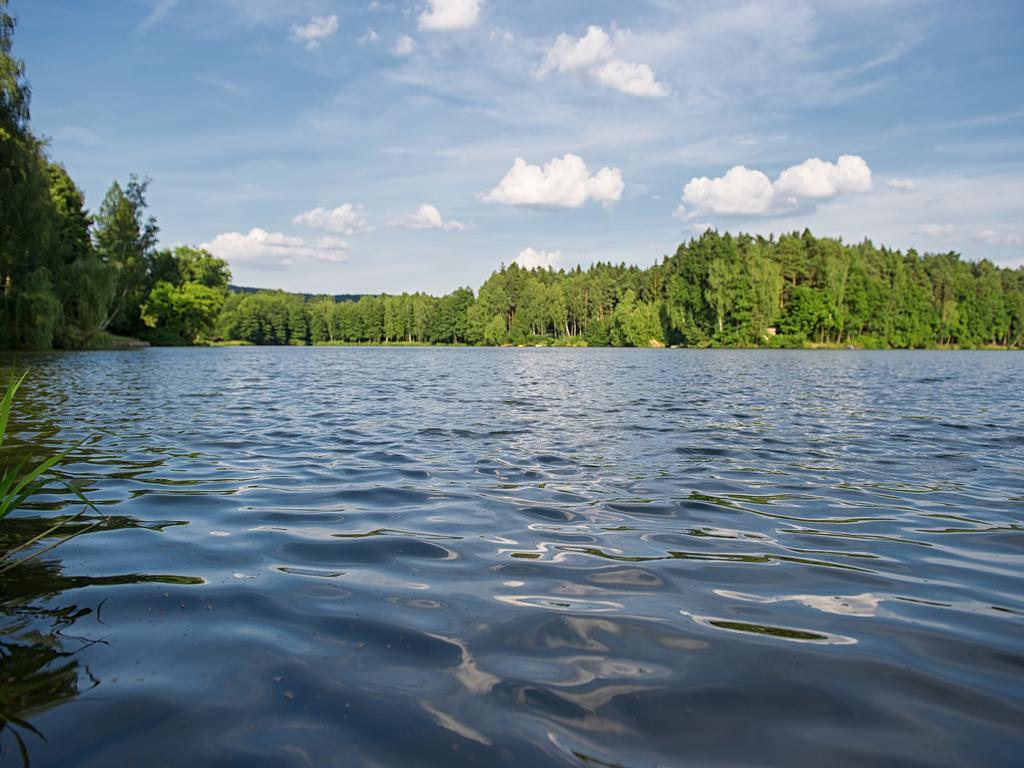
19,483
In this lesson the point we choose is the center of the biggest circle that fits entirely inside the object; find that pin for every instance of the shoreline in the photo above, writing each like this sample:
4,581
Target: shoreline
109,342
137,345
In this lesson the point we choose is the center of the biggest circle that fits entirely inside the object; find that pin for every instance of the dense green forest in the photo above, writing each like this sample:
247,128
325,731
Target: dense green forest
72,279
716,290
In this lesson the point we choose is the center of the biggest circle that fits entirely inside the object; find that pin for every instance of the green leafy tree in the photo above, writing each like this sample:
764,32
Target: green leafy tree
125,241
83,283
186,305
30,247
722,281
495,332
765,281
181,313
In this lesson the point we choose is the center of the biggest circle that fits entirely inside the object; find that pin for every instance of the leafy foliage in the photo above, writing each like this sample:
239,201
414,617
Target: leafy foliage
45,240
125,241
184,305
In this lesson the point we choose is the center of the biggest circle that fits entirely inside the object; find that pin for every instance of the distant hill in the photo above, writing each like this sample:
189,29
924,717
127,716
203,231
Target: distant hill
336,296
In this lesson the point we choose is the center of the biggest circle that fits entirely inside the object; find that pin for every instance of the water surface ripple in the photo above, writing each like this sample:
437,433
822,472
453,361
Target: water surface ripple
387,557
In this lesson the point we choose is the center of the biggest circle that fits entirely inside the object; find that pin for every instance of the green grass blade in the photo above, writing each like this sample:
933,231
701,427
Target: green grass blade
34,474
7,402
15,563
48,532
16,488
16,501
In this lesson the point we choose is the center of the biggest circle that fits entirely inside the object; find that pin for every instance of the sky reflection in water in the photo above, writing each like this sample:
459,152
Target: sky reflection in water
545,557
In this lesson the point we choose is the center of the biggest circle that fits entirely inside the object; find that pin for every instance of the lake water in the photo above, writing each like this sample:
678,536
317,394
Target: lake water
388,557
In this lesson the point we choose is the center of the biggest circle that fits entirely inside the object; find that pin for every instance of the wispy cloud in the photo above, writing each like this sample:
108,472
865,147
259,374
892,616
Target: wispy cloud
369,37
161,9
991,236
933,230
906,185
221,84
403,46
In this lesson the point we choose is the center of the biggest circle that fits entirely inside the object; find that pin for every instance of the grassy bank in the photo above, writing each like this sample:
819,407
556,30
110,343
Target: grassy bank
98,342
111,341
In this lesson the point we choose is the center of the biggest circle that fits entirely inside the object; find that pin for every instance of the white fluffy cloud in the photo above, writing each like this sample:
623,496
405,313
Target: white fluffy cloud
625,76
594,56
739,191
816,178
318,29
449,15
346,219
746,192
563,183
903,184
570,54
260,249
528,258
428,217
403,46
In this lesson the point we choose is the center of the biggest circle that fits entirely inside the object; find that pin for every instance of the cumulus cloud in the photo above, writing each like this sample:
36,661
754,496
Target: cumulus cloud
317,30
562,183
260,249
816,178
570,54
747,192
998,237
428,217
403,46
347,219
593,55
625,76
450,15
740,191
528,258
903,184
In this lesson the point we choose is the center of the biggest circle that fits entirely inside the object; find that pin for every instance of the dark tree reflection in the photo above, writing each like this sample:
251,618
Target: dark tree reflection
40,664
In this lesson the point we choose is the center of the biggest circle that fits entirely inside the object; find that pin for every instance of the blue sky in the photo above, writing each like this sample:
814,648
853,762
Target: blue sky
358,146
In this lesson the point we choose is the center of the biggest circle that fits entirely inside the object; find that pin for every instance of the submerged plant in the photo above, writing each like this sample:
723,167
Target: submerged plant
19,483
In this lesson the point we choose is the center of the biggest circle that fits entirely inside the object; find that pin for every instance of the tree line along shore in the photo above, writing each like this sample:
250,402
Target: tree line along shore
72,279
717,290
